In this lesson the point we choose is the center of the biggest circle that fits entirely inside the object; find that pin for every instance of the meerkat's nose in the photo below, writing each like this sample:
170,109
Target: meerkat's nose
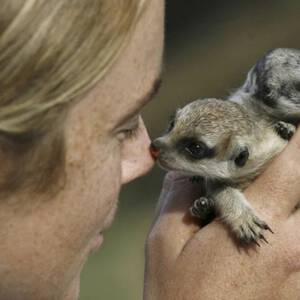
154,149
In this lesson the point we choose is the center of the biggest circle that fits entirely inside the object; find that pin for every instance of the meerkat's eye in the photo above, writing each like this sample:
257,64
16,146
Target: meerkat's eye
242,158
194,148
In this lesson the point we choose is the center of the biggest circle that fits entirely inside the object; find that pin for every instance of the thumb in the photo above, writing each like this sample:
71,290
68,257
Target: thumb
174,224
278,186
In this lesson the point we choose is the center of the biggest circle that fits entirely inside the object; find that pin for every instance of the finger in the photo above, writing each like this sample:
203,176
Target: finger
167,183
291,235
278,187
174,224
170,179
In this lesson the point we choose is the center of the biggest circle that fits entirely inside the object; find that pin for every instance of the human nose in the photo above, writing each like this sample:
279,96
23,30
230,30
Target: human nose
136,156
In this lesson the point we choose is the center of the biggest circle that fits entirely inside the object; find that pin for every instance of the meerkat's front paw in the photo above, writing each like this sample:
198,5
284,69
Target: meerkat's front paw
285,130
203,208
249,228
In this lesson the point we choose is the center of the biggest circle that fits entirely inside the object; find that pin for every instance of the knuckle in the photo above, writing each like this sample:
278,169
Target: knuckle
296,140
289,252
292,260
290,155
281,180
156,237
159,241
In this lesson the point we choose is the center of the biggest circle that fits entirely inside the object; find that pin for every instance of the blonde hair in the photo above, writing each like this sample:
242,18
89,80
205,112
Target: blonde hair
51,53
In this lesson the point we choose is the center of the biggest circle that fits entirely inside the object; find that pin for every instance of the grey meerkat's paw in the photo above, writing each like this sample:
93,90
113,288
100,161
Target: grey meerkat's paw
249,229
203,208
285,130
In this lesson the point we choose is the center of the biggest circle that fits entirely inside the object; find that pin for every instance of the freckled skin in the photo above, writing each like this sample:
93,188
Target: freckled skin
44,248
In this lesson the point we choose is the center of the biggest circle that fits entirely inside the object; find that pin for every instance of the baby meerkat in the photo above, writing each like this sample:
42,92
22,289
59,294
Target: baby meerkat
227,145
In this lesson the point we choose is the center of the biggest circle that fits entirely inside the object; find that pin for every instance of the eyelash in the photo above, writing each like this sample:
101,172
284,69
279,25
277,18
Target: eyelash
131,133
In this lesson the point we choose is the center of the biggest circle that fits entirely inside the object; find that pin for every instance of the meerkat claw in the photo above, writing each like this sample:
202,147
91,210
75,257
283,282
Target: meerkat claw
264,226
267,227
261,236
255,241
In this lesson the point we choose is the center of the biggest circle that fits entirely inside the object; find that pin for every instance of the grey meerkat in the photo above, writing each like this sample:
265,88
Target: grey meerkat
228,145
272,90
272,86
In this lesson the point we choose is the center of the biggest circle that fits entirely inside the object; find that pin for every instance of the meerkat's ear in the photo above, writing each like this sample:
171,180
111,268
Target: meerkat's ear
241,157
238,152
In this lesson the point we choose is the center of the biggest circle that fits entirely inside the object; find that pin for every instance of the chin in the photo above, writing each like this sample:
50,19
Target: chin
74,290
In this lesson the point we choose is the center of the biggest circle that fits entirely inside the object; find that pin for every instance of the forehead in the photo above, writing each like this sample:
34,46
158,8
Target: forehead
140,65
134,73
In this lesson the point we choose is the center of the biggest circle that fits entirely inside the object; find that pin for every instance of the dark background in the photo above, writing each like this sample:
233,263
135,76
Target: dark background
210,46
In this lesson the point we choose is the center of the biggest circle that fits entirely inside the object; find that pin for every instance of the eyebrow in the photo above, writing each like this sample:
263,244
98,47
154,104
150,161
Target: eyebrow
153,91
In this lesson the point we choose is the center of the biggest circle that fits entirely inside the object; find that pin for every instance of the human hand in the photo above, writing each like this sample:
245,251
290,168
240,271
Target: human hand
184,261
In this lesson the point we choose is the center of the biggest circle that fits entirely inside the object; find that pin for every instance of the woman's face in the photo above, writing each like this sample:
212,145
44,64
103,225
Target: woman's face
43,249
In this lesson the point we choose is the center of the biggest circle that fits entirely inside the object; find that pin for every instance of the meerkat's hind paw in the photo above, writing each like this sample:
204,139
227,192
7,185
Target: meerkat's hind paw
202,208
285,130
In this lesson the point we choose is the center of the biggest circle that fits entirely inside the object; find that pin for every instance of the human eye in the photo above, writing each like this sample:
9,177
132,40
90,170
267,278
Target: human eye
131,133
130,130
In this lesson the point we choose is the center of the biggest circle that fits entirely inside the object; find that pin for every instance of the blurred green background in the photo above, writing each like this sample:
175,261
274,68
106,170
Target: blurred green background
210,46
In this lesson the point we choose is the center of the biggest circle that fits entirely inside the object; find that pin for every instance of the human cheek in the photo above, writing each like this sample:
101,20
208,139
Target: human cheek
97,180
136,159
